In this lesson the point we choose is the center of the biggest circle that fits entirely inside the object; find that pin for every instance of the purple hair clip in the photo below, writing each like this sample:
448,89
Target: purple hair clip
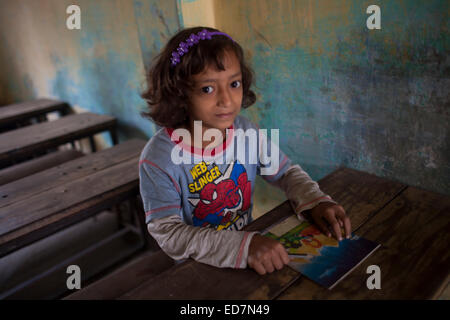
183,47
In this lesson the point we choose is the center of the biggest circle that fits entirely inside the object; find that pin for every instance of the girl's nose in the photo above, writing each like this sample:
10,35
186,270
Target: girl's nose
224,98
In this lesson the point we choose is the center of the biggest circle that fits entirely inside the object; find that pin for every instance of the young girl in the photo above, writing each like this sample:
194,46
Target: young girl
196,208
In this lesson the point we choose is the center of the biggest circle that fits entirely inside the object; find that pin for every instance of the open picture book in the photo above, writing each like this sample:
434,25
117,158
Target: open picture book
324,260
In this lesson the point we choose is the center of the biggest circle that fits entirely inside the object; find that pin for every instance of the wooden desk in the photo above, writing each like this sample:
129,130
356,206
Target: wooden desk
16,112
414,258
23,142
412,225
30,167
41,204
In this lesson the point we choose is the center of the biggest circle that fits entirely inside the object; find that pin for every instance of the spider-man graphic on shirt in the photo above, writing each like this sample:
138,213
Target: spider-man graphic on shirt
225,200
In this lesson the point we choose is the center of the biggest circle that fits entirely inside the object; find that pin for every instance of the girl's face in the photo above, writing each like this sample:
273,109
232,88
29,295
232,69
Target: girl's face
217,96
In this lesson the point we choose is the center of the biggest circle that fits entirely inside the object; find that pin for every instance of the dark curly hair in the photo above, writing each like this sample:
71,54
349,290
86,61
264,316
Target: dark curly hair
168,85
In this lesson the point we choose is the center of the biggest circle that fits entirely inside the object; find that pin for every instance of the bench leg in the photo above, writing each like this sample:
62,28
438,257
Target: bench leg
118,213
92,142
139,213
42,118
129,216
66,111
113,134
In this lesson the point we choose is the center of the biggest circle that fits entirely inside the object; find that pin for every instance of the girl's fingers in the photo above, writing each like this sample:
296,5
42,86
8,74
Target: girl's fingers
284,256
258,267
322,226
335,227
276,260
268,265
347,227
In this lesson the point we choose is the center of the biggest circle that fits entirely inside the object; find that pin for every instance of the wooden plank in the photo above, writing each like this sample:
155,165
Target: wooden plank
24,141
45,180
200,281
125,278
93,257
50,224
59,198
30,167
23,110
360,193
414,259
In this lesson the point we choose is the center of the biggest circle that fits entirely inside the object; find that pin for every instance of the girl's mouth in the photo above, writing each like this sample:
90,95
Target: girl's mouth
225,116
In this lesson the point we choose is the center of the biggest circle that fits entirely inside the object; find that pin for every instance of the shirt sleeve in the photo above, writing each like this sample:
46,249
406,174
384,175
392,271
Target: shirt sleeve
303,192
160,193
224,248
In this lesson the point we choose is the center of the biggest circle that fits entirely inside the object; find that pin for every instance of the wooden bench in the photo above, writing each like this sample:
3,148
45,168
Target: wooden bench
30,167
39,205
12,115
125,278
20,143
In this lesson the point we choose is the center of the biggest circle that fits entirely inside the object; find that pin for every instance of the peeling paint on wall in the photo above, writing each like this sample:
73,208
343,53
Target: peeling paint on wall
341,94
98,68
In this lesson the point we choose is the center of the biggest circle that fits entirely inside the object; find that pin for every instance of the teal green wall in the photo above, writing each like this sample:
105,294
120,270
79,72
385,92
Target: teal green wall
373,100
100,68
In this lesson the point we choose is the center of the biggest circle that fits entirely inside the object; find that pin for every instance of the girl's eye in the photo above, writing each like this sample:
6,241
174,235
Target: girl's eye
238,84
209,89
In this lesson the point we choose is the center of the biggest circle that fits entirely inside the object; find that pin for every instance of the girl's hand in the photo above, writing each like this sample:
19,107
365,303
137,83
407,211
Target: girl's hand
334,215
266,255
